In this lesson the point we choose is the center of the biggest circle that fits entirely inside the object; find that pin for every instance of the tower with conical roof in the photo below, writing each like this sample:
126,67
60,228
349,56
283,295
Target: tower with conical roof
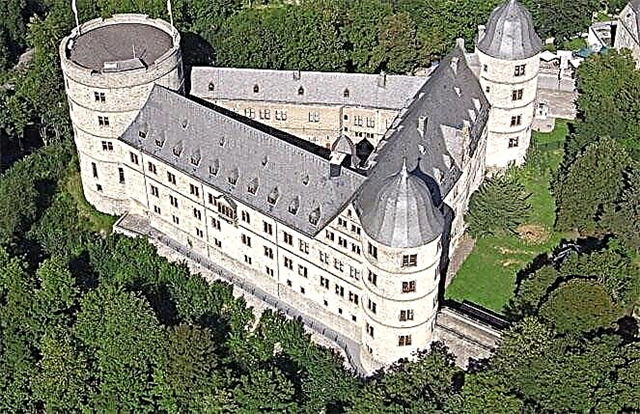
403,232
508,49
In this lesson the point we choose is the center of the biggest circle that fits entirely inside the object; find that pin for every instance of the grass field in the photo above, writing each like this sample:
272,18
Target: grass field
487,276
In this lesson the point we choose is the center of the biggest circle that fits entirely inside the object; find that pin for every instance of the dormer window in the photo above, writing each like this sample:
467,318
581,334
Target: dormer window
256,88
272,198
215,167
223,140
252,186
211,86
301,91
177,150
305,179
233,177
265,160
294,205
345,93
314,216
185,123
160,141
195,158
142,134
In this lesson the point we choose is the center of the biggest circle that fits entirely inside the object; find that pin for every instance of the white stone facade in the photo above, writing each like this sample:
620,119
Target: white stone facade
627,30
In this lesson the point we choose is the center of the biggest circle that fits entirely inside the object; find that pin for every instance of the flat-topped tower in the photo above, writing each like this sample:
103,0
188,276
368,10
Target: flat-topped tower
109,67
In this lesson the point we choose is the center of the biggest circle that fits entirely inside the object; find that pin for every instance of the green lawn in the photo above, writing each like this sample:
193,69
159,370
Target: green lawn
96,221
574,44
487,276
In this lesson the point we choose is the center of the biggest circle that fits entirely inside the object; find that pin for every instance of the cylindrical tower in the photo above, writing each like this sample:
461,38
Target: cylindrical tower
109,67
509,53
403,232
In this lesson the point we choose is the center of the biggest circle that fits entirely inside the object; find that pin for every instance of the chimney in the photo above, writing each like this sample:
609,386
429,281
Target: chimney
382,80
454,64
460,44
335,164
482,30
422,124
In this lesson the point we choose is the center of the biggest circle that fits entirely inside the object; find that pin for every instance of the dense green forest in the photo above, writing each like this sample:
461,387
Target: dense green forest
100,323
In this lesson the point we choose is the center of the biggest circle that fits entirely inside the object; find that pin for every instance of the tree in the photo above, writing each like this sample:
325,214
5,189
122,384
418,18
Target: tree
499,206
397,47
623,217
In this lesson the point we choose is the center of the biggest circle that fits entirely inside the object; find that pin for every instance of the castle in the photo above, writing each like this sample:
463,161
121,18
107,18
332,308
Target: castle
341,194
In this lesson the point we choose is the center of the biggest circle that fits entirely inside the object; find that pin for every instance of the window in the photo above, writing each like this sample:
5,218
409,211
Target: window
134,158
373,251
193,190
342,222
199,233
372,306
156,210
337,263
370,330
176,220
371,122
340,311
267,228
265,114
355,229
121,175
99,97
406,315
340,291
357,120
302,271
154,191
107,146
103,121
345,93
304,247
98,187
514,142
268,252
152,167
249,113
142,134
329,235
171,178
485,68
517,94
487,89
245,217
302,290
197,213
288,263
94,170
404,340
325,303
354,318
173,201
324,282
324,257
372,278
287,238
409,260
408,287
519,70
247,259
353,297
215,223
256,88
301,91
355,248
354,273
226,211
269,271
516,120
272,197
217,242
346,117
233,177
211,86
342,242
314,116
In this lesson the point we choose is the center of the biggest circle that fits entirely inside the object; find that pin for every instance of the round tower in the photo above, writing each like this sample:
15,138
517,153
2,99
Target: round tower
508,49
402,233
109,68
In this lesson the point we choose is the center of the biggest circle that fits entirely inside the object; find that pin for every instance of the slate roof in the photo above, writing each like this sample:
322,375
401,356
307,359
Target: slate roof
322,88
117,42
403,214
510,34
452,110
282,166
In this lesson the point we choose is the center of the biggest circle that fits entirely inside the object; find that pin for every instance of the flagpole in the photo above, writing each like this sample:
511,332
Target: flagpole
170,13
74,7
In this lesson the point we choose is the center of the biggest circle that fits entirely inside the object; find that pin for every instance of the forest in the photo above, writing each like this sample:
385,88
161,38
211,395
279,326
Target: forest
96,322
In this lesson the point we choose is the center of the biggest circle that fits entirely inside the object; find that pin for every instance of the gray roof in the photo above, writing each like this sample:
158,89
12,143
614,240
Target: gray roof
510,34
296,172
403,214
437,133
322,88
117,43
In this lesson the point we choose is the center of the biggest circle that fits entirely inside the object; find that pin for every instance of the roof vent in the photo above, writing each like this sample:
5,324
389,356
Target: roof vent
272,198
252,186
214,167
177,150
382,80
195,157
422,125
294,205
314,216
233,177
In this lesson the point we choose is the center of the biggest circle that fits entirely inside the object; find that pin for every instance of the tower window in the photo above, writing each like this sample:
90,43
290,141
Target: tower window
256,88
103,121
94,169
404,340
409,260
107,146
485,68
121,175
373,251
519,70
346,93
99,97
134,158
301,91
514,142
516,120
408,287
211,86
516,95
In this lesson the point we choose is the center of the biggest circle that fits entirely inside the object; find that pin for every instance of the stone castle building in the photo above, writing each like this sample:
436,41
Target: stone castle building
627,34
341,194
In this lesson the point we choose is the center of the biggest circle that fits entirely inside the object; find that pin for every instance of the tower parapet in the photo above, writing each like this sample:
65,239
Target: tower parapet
508,50
109,67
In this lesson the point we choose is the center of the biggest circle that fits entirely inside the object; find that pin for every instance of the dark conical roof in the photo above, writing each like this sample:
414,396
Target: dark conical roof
403,214
510,34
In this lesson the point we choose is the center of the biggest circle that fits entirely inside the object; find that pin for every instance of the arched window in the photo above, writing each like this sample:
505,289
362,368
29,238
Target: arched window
346,93
256,88
301,91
